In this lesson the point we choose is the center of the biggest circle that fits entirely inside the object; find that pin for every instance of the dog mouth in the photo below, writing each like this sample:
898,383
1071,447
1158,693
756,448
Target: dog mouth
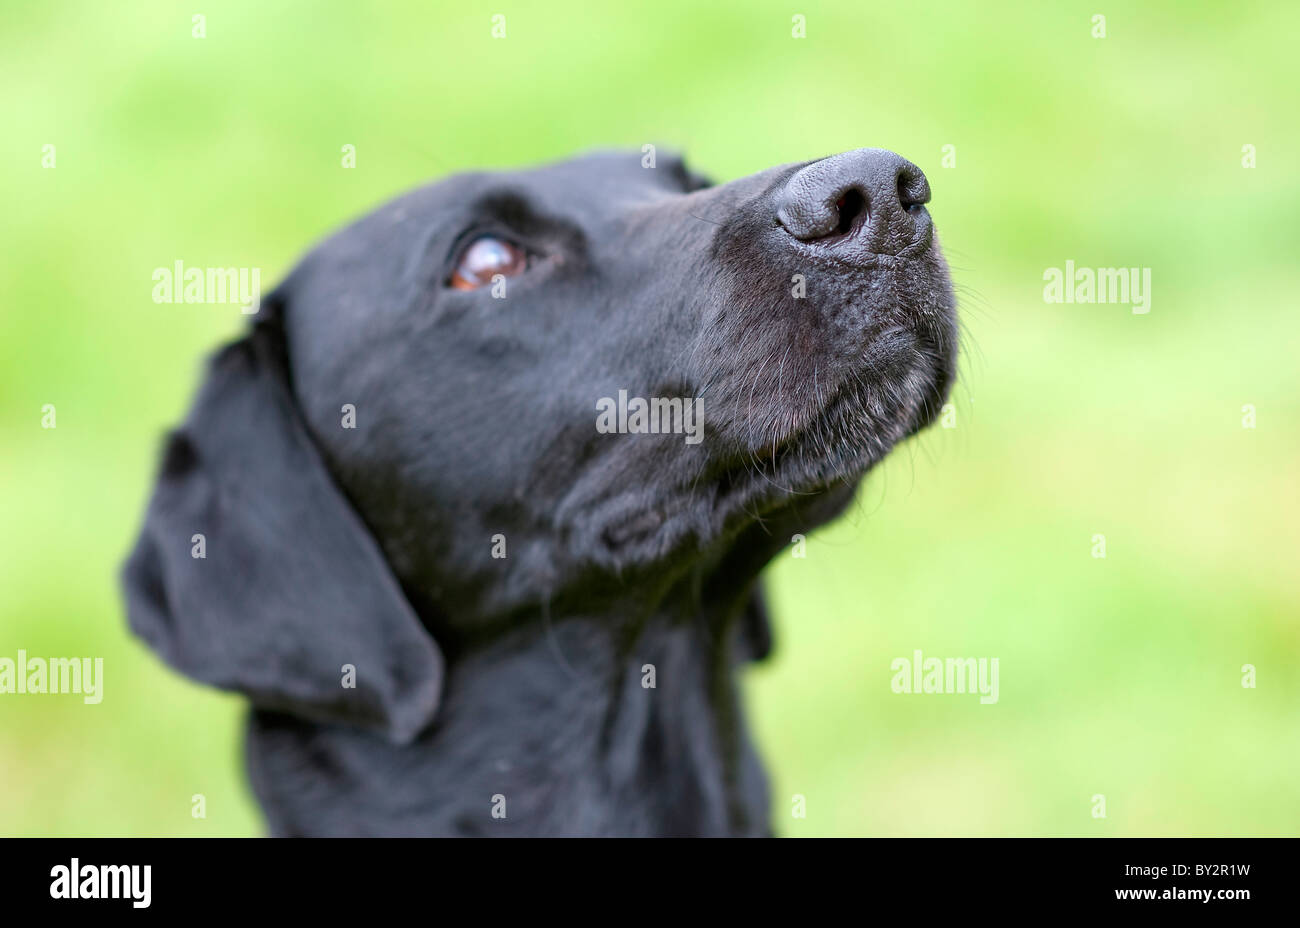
898,391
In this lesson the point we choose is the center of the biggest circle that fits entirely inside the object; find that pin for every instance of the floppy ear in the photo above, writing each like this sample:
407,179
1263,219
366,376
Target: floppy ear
288,585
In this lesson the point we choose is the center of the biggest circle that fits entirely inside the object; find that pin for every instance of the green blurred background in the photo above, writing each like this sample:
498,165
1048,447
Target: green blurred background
1119,677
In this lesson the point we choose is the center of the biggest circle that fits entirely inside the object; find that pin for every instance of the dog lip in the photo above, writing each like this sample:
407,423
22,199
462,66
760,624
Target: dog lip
809,459
755,480
766,470
638,526
840,251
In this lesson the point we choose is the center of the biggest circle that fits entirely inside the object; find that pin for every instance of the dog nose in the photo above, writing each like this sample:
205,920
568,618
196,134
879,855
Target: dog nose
861,203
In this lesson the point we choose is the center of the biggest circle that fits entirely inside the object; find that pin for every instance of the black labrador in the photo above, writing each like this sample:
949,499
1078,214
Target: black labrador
486,490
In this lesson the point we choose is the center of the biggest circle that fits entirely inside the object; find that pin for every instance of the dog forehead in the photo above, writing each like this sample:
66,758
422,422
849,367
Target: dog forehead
609,171
598,178
594,182
382,250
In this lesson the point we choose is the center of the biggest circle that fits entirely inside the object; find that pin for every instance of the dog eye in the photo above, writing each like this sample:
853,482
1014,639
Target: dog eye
483,259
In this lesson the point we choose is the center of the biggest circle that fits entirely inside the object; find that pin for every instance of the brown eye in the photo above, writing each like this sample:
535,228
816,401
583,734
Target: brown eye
484,259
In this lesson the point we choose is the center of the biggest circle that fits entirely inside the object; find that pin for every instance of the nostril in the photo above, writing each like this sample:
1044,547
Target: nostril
904,197
913,190
851,205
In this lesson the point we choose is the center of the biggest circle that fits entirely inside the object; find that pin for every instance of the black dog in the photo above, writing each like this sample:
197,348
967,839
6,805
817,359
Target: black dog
457,604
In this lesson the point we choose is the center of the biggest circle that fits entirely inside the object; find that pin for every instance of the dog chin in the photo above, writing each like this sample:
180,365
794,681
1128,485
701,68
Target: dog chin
852,435
897,389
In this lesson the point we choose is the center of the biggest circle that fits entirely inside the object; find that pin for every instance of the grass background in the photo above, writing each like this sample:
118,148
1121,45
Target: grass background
1118,676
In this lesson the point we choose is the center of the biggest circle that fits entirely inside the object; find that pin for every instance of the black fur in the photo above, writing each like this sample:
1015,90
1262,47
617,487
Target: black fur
480,677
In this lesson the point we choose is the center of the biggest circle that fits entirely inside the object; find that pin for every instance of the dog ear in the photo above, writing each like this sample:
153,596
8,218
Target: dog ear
253,573
688,179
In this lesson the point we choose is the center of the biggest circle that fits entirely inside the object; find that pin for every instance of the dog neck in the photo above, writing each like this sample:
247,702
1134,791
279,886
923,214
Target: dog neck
617,717
623,722
627,726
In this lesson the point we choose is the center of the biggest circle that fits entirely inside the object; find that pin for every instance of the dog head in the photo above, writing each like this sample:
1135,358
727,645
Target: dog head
546,386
